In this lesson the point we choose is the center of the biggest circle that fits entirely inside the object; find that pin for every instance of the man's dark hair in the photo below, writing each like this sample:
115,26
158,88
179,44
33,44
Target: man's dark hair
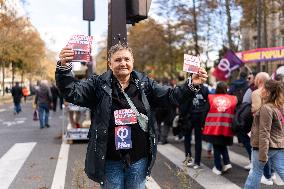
243,75
221,88
279,77
253,73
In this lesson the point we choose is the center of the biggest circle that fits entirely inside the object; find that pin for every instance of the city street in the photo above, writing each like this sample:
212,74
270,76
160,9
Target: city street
33,158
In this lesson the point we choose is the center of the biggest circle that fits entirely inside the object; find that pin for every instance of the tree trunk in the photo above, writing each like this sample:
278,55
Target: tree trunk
3,78
195,30
259,21
13,73
229,21
173,70
22,77
265,40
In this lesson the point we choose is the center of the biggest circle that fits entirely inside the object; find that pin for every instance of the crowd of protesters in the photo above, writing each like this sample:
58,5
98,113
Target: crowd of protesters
233,110
250,108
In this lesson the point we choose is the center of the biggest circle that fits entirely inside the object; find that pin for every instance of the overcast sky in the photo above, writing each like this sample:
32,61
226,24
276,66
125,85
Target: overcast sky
57,20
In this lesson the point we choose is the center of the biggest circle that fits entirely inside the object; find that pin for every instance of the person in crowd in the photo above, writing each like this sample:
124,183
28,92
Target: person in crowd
239,87
267,135
243,134
122,145
6,90
164,117
26,93
279,77
194,114
251,87
217,128
209,149
43,101
260,80
178,125
74,114
55,95
17,96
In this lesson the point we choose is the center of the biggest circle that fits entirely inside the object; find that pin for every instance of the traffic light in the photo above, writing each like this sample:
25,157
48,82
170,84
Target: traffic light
89,10
137,10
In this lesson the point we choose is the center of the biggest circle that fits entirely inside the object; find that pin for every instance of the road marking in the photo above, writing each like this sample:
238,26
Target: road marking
61,167
11,123
3,110
204,176
20,119
241,160
12,161
17,121
152,184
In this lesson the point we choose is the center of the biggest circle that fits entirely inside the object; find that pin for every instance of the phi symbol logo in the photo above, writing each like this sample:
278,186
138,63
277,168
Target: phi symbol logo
122,133
225,66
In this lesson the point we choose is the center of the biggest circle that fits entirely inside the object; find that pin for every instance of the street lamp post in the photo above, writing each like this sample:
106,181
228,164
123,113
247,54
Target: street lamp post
89,15
122,12
117,22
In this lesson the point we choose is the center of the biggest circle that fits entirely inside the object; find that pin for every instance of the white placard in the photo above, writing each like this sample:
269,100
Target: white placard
191,63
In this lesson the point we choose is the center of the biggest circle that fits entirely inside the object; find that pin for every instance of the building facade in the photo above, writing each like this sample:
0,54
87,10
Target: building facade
274,32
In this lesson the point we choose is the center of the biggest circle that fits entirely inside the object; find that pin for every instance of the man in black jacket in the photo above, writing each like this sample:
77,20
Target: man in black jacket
122,146
194,114
17,96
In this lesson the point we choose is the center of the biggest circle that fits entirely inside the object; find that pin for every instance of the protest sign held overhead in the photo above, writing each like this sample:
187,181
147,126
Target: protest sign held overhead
81,45
229,63
191,63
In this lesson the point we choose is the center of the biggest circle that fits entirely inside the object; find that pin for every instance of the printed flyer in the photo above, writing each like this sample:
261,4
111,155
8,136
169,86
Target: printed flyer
81,45
191,63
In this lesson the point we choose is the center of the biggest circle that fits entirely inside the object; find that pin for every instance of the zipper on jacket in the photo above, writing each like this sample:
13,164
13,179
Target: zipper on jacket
96,136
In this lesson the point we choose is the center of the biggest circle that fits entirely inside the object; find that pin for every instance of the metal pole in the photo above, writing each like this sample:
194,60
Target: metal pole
89,27
117,22
89,64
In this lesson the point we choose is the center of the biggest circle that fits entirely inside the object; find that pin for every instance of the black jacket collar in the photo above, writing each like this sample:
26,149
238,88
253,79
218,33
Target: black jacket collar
107,76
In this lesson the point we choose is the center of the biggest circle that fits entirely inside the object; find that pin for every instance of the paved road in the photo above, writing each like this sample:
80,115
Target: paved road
33,158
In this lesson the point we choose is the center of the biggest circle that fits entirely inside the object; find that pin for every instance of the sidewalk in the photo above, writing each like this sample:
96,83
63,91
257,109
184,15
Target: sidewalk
6,99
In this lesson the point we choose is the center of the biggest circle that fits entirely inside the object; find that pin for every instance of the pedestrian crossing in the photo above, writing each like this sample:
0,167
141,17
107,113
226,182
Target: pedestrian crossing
204,176
13,160
60,171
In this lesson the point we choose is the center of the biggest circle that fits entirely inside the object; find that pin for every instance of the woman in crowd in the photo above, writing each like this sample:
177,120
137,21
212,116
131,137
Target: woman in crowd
218,123
267,134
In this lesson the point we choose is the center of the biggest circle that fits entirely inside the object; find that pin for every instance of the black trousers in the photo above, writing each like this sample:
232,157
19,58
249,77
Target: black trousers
196,121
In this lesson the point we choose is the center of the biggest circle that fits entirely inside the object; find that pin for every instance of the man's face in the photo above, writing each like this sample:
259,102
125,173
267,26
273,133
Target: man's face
121,63
250,79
